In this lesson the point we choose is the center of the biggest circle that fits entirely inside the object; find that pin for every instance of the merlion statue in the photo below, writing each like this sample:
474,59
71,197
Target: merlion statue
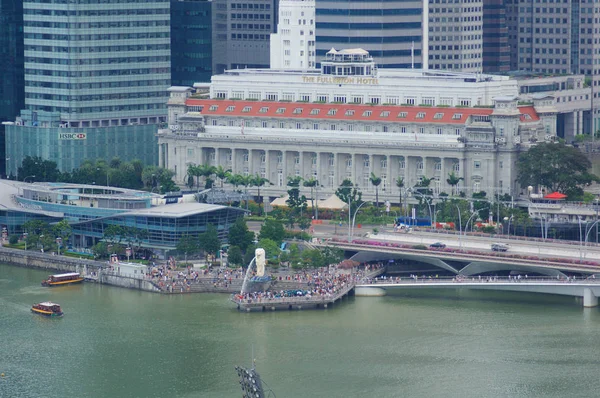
260,261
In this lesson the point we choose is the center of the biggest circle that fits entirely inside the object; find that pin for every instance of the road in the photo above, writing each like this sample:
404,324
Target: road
561,249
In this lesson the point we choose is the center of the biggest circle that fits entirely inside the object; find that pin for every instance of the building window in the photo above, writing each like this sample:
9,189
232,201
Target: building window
264,109
457,116
281,125
402,115
421,115
190,152
501,164
477,165
263,157
384,163
280,110
297,111
315,126
439,130
298,126
246,157
332,112
420,166
264,125
280,158
297,159
456,167
214,122
438,115
384,114
403,129
315,111
350,112
438,166
331,160
333,127
213,108
367,113
402,164
247,109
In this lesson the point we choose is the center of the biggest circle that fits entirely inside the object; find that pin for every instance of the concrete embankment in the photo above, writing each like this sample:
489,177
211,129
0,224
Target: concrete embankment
53,263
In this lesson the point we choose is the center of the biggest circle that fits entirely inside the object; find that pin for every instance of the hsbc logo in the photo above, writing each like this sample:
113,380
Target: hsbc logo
72,136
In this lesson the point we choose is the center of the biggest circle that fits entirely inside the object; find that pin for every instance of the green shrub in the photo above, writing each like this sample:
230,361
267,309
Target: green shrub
419,247
13,239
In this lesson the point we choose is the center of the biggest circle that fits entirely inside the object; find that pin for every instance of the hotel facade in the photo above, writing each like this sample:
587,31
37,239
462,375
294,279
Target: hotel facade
349,120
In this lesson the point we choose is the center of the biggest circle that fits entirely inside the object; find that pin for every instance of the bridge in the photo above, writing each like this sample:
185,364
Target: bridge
465,262
588,289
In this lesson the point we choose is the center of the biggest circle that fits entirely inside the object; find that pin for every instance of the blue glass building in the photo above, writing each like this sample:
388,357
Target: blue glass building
93,70
90,209
191,42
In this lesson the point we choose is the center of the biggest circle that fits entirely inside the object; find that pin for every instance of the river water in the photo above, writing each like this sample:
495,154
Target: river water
114,342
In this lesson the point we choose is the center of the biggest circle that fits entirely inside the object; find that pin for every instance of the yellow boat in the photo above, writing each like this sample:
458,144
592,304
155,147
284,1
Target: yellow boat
47,308
62,279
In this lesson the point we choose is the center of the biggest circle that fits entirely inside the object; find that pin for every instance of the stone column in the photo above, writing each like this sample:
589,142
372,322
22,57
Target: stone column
319,158
443,175
336,168
301,156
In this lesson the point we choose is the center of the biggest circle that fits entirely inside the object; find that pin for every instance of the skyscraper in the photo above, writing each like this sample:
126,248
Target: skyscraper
191,42
241,33
394,32
96,75
496,52
12,87
557,38
293,46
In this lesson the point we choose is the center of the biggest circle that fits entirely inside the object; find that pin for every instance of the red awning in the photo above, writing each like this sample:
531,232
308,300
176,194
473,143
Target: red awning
555,196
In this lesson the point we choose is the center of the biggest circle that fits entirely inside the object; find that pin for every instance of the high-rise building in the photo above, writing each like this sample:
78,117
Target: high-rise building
456,35
191,42
12,87
293,46
241,33
393,31
557,38
496,52
95,78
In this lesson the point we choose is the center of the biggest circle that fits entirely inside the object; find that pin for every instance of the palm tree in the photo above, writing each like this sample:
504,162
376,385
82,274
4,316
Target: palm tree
222,173
259,181
400,185
193,171
206,170
246,181
376,181
312,183
453,180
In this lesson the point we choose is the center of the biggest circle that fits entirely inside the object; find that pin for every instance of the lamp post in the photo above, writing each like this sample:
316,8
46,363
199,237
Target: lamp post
588,230
58,244
25,235
354,217
580,238
459,227
31,176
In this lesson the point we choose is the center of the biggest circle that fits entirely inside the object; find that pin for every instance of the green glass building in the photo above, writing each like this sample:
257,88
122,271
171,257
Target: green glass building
96,75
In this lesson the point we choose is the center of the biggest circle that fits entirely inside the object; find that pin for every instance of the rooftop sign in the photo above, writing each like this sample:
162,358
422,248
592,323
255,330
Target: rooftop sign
72,136
340,80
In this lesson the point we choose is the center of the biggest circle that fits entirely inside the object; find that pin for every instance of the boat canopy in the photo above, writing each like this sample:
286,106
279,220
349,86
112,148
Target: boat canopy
47,304
65,275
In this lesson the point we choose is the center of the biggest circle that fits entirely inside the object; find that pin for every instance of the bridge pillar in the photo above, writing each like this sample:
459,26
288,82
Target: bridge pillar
369,291
589,298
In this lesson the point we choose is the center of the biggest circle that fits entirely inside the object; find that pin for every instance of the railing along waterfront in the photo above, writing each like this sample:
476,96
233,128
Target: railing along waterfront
480,280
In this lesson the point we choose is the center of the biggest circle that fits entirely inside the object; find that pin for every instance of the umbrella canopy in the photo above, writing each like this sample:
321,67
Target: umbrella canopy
555,196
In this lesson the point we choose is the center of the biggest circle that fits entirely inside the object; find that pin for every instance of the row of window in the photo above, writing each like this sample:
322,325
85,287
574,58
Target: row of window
116,36
342,99
96,61
348,127
94,25
98,85
97,49
97,97
96,73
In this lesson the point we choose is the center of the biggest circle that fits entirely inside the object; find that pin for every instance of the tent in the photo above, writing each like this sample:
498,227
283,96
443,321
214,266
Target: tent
555,196
331,203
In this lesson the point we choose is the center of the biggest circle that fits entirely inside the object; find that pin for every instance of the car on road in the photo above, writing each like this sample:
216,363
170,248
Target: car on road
437,245
499,247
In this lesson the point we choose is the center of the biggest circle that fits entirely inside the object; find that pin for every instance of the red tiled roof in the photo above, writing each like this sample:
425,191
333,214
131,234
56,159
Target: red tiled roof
358,112
528,114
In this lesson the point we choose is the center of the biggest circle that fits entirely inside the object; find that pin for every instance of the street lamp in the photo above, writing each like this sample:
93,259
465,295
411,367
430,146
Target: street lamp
354,217
25,234
588,230
459,227
58,244
31,176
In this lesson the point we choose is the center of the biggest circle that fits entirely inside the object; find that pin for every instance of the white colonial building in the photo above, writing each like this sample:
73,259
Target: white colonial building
350,120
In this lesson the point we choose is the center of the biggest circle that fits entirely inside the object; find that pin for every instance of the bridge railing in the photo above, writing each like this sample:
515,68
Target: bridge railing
483,280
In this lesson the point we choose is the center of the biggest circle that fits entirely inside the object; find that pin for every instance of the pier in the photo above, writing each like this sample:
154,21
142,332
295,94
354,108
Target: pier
292,303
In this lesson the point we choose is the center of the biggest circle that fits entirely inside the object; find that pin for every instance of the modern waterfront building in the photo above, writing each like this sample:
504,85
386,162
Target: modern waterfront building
293,46
241,31
394,32
95,81
191,42
90,209
12,84
350,119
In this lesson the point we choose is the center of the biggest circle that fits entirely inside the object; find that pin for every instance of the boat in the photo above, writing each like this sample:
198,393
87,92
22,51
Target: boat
47,308
62,279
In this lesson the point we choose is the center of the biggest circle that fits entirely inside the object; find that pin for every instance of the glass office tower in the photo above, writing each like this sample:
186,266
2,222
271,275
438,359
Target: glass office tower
95,73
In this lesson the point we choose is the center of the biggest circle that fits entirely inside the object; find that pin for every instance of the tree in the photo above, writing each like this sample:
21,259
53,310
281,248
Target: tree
134,237
222,174
113,234
37,169
258,182
332,255
100,250
209,240
453,180
239,235
62,230
296,202
188,244
272,229
376,181
348,192
400,185
312,183
270,246
234,256
313,258
556,166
